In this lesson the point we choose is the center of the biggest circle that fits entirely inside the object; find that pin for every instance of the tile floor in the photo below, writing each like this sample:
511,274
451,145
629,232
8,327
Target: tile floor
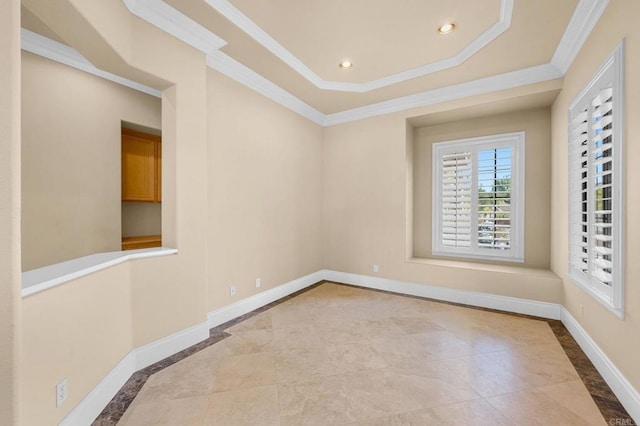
341,355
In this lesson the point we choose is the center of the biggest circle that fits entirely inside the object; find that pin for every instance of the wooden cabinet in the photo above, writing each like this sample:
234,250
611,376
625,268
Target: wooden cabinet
141,166
134,243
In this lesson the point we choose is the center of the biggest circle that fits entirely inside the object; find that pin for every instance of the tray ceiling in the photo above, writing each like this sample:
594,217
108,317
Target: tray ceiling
289,50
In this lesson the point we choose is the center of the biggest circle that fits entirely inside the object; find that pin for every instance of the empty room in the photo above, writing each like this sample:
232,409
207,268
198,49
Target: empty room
364,212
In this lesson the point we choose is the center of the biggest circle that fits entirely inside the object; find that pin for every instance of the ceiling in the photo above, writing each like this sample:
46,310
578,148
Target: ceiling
381,38
291,49
33,23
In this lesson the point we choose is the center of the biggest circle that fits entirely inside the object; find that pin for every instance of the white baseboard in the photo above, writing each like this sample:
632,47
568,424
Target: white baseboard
626,393
167,346
484,300
92,405
229,312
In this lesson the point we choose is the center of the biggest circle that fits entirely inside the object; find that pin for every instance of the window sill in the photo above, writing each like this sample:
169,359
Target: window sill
480,257
462,264
37,280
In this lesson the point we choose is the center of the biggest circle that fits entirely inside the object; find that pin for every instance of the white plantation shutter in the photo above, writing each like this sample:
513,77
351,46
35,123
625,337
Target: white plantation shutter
579,193
602,168
456,199
476,211
595,216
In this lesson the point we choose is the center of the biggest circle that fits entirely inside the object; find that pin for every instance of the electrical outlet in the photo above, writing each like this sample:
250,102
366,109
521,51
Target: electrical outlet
232,290
376,268
61,392
258,283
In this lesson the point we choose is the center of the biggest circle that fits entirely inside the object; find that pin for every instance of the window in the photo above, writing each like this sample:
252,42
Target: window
478,198
595,190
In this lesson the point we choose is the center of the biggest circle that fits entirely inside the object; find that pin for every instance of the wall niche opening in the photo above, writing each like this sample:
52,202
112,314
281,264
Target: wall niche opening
141,187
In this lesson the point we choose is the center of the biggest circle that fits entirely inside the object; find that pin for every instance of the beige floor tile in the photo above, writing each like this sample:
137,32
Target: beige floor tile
352,357
378,393
296,365
345,399
261,321
486,340
293,315
177,412
256,406
415,324
250,341
413,418
322,401
297,337
339,331
212,354
535,408
535,365
534,337
444,345
575,397
396,305
414,350
477,413
246,371
340,355
356,312
457,320
484,376
183,379
432,385
402,351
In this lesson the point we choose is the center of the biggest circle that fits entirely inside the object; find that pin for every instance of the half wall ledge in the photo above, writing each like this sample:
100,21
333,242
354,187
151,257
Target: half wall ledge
40,279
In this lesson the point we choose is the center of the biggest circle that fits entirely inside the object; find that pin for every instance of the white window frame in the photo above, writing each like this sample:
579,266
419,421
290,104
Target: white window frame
514,140
611,73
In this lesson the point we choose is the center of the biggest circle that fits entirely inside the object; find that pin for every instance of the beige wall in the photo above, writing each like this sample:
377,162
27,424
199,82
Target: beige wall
619,339
537,125
71,124
134,304
78,331
264,193
141,219
231,159
368,206
10,302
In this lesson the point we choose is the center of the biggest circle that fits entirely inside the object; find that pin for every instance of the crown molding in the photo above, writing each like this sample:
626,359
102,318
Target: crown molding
170,20
228,66
51,49
225,8
495,83
244,75
584,19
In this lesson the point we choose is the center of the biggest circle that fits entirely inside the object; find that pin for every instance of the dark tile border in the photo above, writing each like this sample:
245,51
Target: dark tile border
609,405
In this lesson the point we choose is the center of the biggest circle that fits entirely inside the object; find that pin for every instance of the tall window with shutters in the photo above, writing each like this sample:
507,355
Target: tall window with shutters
595,171
478,198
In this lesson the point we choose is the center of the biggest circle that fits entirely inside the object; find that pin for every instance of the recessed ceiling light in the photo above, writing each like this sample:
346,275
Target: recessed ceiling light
345,65
447,28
